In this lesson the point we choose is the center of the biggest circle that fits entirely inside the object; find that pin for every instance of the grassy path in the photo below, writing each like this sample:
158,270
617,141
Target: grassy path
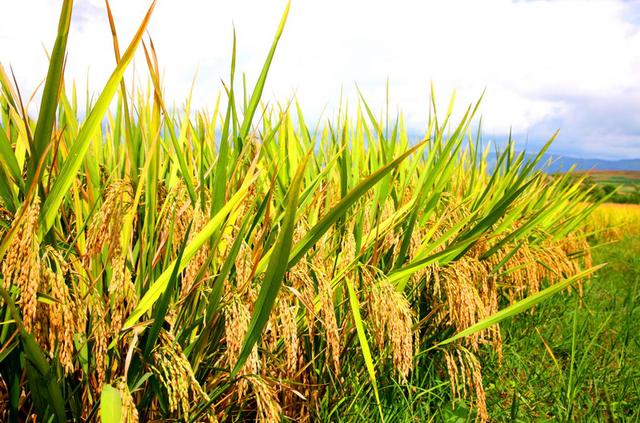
576,362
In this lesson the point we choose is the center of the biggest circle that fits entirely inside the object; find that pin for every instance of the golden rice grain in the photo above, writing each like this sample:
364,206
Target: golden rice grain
61,318
392,324
176,375
106,225
21,265
465,377
237,317
196,263
122,294
268,407
328,315
100,337
129,410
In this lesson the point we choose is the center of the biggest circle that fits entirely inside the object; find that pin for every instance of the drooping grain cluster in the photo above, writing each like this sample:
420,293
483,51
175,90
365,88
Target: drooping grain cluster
21,266
392,323
176,376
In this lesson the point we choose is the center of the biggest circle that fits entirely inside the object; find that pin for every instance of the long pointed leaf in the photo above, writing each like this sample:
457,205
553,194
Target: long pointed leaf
81,144
49,104
274,275
257,90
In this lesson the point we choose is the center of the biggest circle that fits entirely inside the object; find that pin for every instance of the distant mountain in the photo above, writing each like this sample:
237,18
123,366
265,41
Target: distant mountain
564,163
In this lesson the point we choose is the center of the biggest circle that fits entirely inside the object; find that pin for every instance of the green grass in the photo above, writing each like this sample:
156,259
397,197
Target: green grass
590,368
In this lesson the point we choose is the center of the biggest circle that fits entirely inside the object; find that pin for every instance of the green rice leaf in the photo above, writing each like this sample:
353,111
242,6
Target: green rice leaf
91,125
364,344
323,225
262,79
160,284
110,405
274,275
8,161
49,103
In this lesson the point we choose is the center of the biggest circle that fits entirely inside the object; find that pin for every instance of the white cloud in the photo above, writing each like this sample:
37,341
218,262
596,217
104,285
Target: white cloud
534,58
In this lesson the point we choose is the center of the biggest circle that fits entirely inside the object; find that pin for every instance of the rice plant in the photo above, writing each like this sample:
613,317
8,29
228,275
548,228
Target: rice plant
242,265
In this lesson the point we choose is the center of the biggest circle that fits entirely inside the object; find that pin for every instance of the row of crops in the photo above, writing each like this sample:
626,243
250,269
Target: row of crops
162,263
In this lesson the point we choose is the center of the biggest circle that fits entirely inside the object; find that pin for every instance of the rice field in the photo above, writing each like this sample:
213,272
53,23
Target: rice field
241,264
612,221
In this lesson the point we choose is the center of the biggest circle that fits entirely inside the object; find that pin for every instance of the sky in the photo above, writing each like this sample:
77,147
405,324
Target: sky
544,65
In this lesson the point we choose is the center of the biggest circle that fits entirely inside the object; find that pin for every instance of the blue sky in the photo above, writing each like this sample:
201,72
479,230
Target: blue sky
573,65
